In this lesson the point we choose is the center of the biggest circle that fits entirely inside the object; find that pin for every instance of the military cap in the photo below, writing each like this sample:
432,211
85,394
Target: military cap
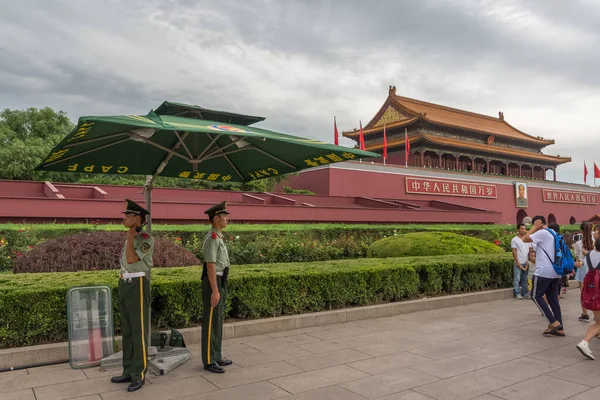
218,209
135,208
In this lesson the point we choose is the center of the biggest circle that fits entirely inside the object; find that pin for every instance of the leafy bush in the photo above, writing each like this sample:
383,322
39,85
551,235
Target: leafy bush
258,243
287,189
34,305
95,251
430,244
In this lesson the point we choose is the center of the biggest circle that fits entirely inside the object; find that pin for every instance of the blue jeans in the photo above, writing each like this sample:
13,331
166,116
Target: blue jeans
519,280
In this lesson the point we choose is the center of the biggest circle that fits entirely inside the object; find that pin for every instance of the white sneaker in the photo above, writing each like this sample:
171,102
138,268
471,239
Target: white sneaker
519,297
584,348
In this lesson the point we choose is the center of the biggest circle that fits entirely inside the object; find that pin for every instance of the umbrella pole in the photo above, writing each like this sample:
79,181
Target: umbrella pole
148,197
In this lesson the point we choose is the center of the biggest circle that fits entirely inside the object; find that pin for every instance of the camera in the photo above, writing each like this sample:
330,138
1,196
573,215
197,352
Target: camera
577,237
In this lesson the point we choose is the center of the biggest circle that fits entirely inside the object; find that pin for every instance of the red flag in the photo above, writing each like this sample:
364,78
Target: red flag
585,172
596,171
335,132
406,146
384,144
362,138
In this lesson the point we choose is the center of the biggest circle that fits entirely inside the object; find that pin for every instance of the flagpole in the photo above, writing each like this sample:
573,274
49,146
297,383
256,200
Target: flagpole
406,148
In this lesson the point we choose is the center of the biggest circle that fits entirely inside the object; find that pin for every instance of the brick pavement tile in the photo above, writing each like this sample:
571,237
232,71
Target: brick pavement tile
16,382
437,338
452,366
266,357
585,372
406,395
164,390
392,382
335,334
445,350
388,346
49,368
258,373
520,369
504,352
25,394
563,355
542,387
78,389
328,346
328,393
319,361
318,379
592,394
389,363
253,391
463,387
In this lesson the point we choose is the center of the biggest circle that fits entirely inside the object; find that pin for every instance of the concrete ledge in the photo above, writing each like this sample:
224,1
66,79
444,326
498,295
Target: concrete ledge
21,356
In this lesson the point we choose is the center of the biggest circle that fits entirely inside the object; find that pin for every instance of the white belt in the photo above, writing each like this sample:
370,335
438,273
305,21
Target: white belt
129,275
219,274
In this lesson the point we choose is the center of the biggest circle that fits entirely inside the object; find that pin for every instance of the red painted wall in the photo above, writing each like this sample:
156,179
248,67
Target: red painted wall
391,185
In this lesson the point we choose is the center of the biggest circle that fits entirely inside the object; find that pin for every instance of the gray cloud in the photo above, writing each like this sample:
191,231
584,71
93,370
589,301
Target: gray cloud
299,63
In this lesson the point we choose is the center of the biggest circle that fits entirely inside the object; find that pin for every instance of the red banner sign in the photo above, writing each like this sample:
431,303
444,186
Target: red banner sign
450,188
566,196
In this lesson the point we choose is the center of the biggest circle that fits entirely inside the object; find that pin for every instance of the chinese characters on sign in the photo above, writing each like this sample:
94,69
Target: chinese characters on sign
450,188
565,196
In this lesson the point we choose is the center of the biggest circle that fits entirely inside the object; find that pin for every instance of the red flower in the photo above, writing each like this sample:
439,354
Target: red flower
497,242
31,247
214,235
230,237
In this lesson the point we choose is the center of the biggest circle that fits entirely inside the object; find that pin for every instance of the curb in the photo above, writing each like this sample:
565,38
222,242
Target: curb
57,352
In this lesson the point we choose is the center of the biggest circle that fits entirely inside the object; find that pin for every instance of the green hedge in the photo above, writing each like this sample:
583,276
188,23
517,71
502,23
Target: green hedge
34,305
250,244
430,244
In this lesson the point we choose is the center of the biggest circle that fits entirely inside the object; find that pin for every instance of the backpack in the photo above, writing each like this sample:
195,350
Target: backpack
590,291
563,259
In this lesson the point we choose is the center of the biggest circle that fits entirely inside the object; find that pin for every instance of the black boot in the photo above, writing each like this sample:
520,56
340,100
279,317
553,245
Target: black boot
133,386
120,379
224,362
214,368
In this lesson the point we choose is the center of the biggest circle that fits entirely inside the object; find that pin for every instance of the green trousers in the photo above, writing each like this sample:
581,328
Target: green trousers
134,304
212,322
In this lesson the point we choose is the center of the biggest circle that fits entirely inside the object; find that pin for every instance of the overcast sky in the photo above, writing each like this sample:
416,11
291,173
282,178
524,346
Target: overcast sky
299,63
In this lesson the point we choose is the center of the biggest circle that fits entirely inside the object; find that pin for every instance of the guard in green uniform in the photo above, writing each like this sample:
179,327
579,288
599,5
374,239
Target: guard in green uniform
214,289
134,296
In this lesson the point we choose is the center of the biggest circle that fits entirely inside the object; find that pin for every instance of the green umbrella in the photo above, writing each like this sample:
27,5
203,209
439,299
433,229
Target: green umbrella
191,142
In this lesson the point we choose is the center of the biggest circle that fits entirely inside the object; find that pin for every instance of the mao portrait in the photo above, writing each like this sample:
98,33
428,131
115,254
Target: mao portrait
521,194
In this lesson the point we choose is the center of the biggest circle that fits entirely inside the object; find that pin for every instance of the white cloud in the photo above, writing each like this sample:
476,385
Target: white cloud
301,63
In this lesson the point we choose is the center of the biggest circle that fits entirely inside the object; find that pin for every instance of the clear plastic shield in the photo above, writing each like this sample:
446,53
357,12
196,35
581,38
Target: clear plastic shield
90,317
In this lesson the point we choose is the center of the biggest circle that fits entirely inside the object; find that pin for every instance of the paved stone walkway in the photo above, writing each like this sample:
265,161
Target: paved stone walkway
481,351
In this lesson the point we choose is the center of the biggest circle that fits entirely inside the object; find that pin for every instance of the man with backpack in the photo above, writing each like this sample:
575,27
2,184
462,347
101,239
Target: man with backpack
553,259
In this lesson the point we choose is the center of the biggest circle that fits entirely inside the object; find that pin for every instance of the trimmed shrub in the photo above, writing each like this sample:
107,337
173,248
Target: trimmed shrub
430,244
34,305
95,251
249,244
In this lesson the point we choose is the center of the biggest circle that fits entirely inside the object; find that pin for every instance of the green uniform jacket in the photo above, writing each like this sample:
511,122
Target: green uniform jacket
143,244
215,250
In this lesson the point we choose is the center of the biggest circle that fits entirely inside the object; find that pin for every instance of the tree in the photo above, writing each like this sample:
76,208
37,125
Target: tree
26,137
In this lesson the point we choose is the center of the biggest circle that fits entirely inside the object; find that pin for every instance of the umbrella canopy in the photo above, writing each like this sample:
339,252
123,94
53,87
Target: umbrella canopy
179,141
